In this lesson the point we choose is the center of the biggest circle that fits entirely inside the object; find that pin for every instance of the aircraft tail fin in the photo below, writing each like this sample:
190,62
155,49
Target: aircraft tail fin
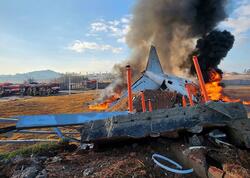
154,64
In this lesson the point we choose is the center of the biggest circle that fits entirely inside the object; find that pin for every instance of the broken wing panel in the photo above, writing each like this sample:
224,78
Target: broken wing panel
55,120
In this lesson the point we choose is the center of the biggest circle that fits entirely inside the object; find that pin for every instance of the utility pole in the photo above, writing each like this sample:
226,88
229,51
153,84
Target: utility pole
69,85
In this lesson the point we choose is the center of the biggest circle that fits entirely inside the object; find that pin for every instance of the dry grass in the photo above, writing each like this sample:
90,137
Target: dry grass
242,92
75,103
29,150
48,105
239,92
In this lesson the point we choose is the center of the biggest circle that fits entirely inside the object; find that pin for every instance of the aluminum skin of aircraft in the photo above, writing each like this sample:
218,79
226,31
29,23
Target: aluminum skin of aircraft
154,78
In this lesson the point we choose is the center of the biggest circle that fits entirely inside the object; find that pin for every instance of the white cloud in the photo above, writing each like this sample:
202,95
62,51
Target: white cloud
99,27
81,46
239,25
114,22
125,20
116,28
121,40
240,20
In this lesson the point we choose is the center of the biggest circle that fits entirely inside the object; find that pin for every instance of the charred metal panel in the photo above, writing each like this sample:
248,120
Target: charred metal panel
161,122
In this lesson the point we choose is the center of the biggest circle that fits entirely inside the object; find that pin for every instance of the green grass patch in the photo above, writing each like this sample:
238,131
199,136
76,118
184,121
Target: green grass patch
29,150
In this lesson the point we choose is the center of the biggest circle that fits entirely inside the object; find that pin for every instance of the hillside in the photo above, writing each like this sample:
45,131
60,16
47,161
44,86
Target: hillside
42,75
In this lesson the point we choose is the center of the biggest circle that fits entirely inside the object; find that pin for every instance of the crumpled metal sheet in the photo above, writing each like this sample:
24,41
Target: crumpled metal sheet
162,122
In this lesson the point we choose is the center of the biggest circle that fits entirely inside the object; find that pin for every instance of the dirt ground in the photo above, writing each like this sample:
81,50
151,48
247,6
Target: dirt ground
121,160
128,160
242,92
239,92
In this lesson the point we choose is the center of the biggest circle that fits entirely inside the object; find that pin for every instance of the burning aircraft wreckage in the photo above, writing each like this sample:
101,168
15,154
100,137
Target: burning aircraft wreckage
156,105
160,104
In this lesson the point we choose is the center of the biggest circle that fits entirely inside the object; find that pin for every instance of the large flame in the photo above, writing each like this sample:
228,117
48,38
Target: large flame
215,90
104,105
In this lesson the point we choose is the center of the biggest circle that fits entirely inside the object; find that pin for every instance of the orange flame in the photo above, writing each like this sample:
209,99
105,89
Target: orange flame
246,102
104,105
215,90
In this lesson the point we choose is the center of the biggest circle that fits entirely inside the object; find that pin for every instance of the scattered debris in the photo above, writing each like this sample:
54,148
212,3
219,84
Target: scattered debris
88,171
191,157
179,169
56,159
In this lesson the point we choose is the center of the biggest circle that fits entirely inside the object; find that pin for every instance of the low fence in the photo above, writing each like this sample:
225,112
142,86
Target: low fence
80,82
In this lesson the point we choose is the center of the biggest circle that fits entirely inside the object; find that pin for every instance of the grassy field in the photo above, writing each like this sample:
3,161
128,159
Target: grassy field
75,103
241,92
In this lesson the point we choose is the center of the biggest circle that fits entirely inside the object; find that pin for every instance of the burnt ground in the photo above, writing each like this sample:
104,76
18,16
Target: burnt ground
127,159
113,160
131,159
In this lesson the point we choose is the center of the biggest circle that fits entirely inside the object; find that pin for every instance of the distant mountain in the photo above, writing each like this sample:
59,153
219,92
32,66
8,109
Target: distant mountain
39,76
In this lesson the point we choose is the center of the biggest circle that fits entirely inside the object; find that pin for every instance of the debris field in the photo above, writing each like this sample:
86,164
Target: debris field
127,159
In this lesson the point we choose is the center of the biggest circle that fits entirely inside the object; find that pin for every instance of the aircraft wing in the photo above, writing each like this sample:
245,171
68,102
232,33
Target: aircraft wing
55,120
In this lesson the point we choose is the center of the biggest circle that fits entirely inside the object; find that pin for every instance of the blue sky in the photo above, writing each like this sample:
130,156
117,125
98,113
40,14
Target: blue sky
87,36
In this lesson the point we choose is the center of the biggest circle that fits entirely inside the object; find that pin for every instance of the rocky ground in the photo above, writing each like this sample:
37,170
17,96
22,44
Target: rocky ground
130,159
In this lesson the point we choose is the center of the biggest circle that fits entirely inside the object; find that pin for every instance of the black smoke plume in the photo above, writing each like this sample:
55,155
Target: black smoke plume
210,50
172,26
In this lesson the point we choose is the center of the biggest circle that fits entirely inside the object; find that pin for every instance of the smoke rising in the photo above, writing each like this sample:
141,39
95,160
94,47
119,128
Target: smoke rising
211,49
172,26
